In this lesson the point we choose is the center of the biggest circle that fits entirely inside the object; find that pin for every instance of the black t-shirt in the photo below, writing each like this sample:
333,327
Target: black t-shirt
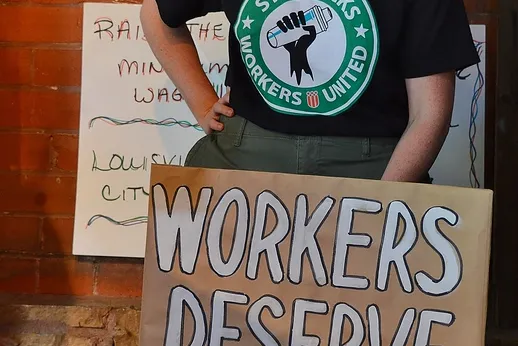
333,67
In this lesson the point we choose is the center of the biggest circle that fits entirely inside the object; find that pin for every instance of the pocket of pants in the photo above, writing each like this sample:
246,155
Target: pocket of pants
233,128
191,155
381,151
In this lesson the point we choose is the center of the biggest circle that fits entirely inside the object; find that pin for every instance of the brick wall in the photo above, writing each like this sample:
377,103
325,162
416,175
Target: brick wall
40,74
40,66
37,325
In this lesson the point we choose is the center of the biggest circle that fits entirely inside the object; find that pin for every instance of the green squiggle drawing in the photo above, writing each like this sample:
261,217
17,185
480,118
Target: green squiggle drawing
126,223
166,122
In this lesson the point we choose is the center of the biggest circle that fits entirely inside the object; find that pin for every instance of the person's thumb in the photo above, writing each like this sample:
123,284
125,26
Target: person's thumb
225,99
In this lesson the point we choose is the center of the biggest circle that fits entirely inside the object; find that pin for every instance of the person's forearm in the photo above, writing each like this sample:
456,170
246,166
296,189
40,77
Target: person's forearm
417,150
430,105
176,52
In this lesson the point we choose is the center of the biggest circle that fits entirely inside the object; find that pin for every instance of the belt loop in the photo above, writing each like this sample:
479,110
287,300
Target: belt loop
240,132
366,147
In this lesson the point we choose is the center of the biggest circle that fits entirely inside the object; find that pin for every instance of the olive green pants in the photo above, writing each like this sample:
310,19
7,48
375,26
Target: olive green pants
245,146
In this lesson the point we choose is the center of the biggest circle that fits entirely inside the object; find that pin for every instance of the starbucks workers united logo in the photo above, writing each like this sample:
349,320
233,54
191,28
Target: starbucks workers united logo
308,57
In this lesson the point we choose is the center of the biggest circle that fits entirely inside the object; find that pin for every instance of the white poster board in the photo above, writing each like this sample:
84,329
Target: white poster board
133,116
461,161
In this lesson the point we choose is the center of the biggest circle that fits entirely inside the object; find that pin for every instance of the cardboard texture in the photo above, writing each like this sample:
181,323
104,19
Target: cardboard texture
275,259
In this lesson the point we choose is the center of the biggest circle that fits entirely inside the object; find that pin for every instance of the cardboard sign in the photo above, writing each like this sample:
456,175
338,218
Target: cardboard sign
275,259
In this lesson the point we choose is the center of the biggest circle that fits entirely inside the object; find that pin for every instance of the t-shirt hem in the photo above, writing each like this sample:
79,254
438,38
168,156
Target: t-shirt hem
319,129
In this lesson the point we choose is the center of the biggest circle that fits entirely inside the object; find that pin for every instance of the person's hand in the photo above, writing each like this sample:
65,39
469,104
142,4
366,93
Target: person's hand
293,21
298,50
211,121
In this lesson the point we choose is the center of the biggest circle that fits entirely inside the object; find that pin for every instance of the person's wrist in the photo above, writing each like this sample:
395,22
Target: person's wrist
202,109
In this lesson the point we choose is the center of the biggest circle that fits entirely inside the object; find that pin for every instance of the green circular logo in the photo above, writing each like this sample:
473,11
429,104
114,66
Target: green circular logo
308,57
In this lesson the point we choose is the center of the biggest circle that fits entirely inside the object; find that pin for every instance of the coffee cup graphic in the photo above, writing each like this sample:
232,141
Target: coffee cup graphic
316,16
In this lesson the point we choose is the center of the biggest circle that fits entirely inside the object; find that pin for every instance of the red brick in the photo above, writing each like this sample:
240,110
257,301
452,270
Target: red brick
81,1
24,151
59,1
78,1
39,109
64,151
25,23
16,65
57,67
38,194
19,234
18,275
66,276
120,280
58,234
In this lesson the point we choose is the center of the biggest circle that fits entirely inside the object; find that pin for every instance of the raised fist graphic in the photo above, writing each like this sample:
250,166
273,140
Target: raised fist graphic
298,49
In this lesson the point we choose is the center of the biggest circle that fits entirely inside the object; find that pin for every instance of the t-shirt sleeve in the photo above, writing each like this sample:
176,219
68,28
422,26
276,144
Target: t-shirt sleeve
436,38
175,13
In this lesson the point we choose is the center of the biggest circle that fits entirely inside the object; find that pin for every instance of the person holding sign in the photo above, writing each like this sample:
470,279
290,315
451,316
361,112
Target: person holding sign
352,88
